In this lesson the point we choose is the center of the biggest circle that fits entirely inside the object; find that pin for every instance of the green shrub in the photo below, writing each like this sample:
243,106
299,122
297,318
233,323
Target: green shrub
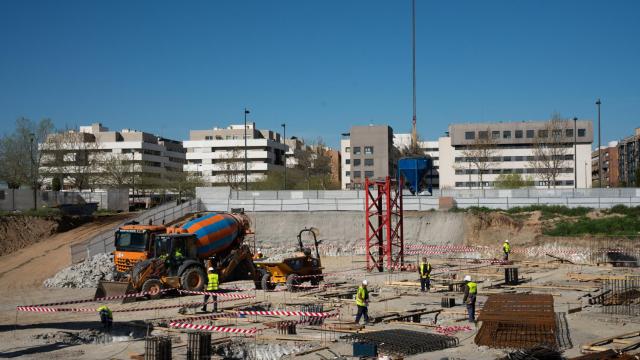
550,211
627,225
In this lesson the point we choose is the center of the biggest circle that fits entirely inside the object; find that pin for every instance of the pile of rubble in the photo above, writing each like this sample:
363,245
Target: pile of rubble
84,275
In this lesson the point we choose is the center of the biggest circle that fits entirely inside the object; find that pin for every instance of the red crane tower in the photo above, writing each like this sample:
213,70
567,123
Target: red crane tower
383,209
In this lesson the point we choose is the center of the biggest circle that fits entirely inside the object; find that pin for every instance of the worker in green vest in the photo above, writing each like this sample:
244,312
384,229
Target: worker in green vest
106,318
212,287
362,302
506,248
470,293
425,275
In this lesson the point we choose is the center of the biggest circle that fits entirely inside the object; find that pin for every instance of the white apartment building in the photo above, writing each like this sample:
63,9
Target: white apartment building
72,155
218,154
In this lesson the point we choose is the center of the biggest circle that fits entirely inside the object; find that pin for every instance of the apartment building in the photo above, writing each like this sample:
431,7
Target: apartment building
367,152
218,154
79,158
610,163
629,160
512,149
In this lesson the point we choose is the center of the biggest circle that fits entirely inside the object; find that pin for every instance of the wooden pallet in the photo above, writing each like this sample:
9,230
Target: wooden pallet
620,343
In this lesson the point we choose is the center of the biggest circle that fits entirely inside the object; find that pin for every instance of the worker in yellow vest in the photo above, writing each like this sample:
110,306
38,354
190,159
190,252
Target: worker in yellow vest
212,287
362,302
506,248
106,317
470,293
425,275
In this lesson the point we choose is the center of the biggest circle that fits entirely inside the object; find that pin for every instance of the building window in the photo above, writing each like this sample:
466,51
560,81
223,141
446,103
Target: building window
519,158
368,150
208,137
483,134
356,174
518,134
568,133
368,162
347,173
469,135
347,161
556,133
368,174
543,133
582,132
356,162
530,134
356,150
506,134
347,149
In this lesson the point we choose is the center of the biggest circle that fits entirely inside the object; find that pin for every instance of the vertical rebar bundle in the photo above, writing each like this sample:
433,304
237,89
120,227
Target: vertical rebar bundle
199,346
619,251
621,297
312,308
511,276
157,348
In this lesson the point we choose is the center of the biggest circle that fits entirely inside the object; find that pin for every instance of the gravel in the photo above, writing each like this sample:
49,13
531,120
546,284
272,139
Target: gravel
84,275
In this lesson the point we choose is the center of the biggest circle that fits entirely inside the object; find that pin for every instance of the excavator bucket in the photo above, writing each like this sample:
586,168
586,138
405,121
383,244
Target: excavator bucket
112,288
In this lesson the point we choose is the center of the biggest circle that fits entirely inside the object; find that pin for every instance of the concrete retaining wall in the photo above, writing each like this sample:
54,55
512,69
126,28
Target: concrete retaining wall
22,199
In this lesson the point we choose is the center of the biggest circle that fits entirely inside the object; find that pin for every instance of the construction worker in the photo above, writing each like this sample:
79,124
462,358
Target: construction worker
506,248
425,275
470,293
258,255
362,302
106,318
212,286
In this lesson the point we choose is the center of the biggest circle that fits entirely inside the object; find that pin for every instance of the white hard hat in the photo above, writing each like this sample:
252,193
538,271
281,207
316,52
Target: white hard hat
365,282
467,278
210,269
506,241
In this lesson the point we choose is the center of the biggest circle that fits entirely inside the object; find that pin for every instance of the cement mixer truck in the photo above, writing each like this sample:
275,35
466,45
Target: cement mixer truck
181,255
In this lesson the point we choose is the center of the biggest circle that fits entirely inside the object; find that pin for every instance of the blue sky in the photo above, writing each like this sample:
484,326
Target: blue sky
319,66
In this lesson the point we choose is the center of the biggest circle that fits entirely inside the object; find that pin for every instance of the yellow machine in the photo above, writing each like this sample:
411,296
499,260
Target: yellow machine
295,269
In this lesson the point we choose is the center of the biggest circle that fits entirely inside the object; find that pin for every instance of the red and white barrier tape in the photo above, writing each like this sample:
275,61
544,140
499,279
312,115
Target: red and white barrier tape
103,299
288,313
218,294
452,330
223,329
207,317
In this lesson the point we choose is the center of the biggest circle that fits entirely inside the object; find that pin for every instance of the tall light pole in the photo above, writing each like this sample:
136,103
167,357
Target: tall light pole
284,135
246,184
33,175
414,130
575,154
599,148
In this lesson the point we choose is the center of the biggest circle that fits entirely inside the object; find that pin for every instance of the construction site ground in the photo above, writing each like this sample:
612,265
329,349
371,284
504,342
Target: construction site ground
41,335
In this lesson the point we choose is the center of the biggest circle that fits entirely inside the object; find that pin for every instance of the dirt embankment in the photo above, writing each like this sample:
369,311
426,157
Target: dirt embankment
18,231
493,228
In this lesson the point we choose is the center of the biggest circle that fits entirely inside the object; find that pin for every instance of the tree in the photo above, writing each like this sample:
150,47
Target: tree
118,171
481,154
314,162
20,154
551,150
232,168
512,181
183,183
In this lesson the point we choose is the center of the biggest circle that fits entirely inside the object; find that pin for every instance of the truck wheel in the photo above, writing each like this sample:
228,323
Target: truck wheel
266,282
292,281
153,287
193,279
315,281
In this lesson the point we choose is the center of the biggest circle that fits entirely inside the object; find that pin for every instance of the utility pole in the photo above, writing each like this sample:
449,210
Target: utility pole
284,135
599,148
414,130
575,154
246,185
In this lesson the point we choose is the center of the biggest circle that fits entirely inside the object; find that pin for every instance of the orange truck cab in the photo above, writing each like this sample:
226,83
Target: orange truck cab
134,243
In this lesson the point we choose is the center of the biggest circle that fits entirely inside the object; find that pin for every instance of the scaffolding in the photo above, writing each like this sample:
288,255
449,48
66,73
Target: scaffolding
384,225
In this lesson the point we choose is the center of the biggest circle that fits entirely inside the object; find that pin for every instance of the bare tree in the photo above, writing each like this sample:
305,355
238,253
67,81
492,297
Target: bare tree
72,157
481,154
232,168
551,150
118,170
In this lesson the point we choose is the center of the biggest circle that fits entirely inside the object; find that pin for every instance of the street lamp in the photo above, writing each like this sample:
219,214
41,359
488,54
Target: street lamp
246,186
33,175
599,148
575,153
284,135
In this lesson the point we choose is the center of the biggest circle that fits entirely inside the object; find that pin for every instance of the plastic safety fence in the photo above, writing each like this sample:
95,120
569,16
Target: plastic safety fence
518,321
157,348
405,342
199,346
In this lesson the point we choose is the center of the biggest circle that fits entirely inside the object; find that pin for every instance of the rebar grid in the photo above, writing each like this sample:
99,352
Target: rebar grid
405,342
519,321
621,297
